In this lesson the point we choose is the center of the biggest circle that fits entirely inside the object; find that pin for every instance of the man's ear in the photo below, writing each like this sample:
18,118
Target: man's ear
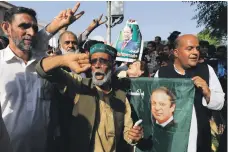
175,52
141,72
173,107
6,28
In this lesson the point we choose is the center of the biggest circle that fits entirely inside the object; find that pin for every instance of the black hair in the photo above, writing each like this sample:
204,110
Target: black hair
4,41
173,36
173,41
158,37
203,54
164,57
9,14
221,47
167,92
211,50
152,43
143,67
176,43
169,46
203,43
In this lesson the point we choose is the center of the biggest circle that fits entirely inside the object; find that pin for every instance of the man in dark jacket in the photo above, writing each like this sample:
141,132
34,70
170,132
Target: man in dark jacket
101,114
208,94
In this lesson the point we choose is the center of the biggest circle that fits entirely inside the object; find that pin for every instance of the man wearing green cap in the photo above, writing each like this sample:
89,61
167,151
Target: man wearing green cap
101,119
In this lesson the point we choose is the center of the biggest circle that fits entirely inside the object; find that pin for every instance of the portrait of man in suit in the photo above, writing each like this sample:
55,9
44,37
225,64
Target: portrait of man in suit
163,106
127,43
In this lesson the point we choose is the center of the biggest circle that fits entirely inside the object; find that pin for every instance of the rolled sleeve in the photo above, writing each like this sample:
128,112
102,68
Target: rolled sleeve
83,37
128,123
66,82
217,95
39,69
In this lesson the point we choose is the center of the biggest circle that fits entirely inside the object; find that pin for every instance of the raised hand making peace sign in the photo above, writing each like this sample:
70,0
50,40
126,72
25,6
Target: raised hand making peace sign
64,18
96,22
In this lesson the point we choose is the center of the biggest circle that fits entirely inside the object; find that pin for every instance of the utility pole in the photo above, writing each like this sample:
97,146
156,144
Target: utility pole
109,23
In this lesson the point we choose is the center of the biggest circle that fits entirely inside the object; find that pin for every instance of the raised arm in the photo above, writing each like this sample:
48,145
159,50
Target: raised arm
64,19
92,26
67,82
76,62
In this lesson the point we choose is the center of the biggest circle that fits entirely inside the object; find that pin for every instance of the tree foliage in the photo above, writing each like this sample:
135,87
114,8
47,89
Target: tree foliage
206,36
213,15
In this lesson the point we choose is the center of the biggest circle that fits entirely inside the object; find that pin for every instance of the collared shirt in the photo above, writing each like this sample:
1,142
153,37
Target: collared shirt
24,101
165,123
105,134
4,137
216,103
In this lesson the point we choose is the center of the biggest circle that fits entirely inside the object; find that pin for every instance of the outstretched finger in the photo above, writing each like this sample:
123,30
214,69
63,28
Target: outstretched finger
77,16
100,17
76,7
106,19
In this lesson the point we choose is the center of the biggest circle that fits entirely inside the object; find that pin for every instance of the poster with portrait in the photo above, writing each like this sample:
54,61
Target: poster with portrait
165,106
129,44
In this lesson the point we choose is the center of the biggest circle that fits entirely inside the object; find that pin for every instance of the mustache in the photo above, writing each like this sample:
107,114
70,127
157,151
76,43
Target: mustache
28,38
99,72
71,50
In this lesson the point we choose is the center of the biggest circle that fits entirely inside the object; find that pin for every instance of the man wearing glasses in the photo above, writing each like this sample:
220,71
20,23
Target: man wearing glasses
101,114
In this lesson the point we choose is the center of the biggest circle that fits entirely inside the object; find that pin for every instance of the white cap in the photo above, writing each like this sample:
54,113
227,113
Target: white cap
53,42
97,38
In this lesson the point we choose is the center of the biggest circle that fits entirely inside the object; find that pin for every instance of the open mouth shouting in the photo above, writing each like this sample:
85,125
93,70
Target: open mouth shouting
99,75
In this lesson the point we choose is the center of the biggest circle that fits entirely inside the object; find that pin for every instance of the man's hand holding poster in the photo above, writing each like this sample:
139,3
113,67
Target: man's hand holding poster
165,106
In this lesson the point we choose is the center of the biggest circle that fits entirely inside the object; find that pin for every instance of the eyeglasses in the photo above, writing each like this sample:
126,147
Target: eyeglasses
102,61
73,42
28,25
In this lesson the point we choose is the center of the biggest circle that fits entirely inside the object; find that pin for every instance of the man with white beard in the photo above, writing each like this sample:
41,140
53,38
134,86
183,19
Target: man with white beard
101,114
68,42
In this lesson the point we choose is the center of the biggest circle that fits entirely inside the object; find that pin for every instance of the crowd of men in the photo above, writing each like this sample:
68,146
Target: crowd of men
71,98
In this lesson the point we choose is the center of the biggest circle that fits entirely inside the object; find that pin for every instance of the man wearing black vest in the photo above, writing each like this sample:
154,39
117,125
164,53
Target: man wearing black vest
101,115
208,93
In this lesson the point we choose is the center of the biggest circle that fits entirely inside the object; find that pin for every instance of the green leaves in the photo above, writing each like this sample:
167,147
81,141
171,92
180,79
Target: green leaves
206,35
213,15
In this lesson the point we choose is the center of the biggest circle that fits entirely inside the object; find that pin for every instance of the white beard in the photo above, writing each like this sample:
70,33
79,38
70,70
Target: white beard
69,51
106,79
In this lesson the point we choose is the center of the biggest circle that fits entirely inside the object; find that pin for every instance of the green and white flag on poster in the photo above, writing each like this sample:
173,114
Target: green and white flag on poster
129,44
165,106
